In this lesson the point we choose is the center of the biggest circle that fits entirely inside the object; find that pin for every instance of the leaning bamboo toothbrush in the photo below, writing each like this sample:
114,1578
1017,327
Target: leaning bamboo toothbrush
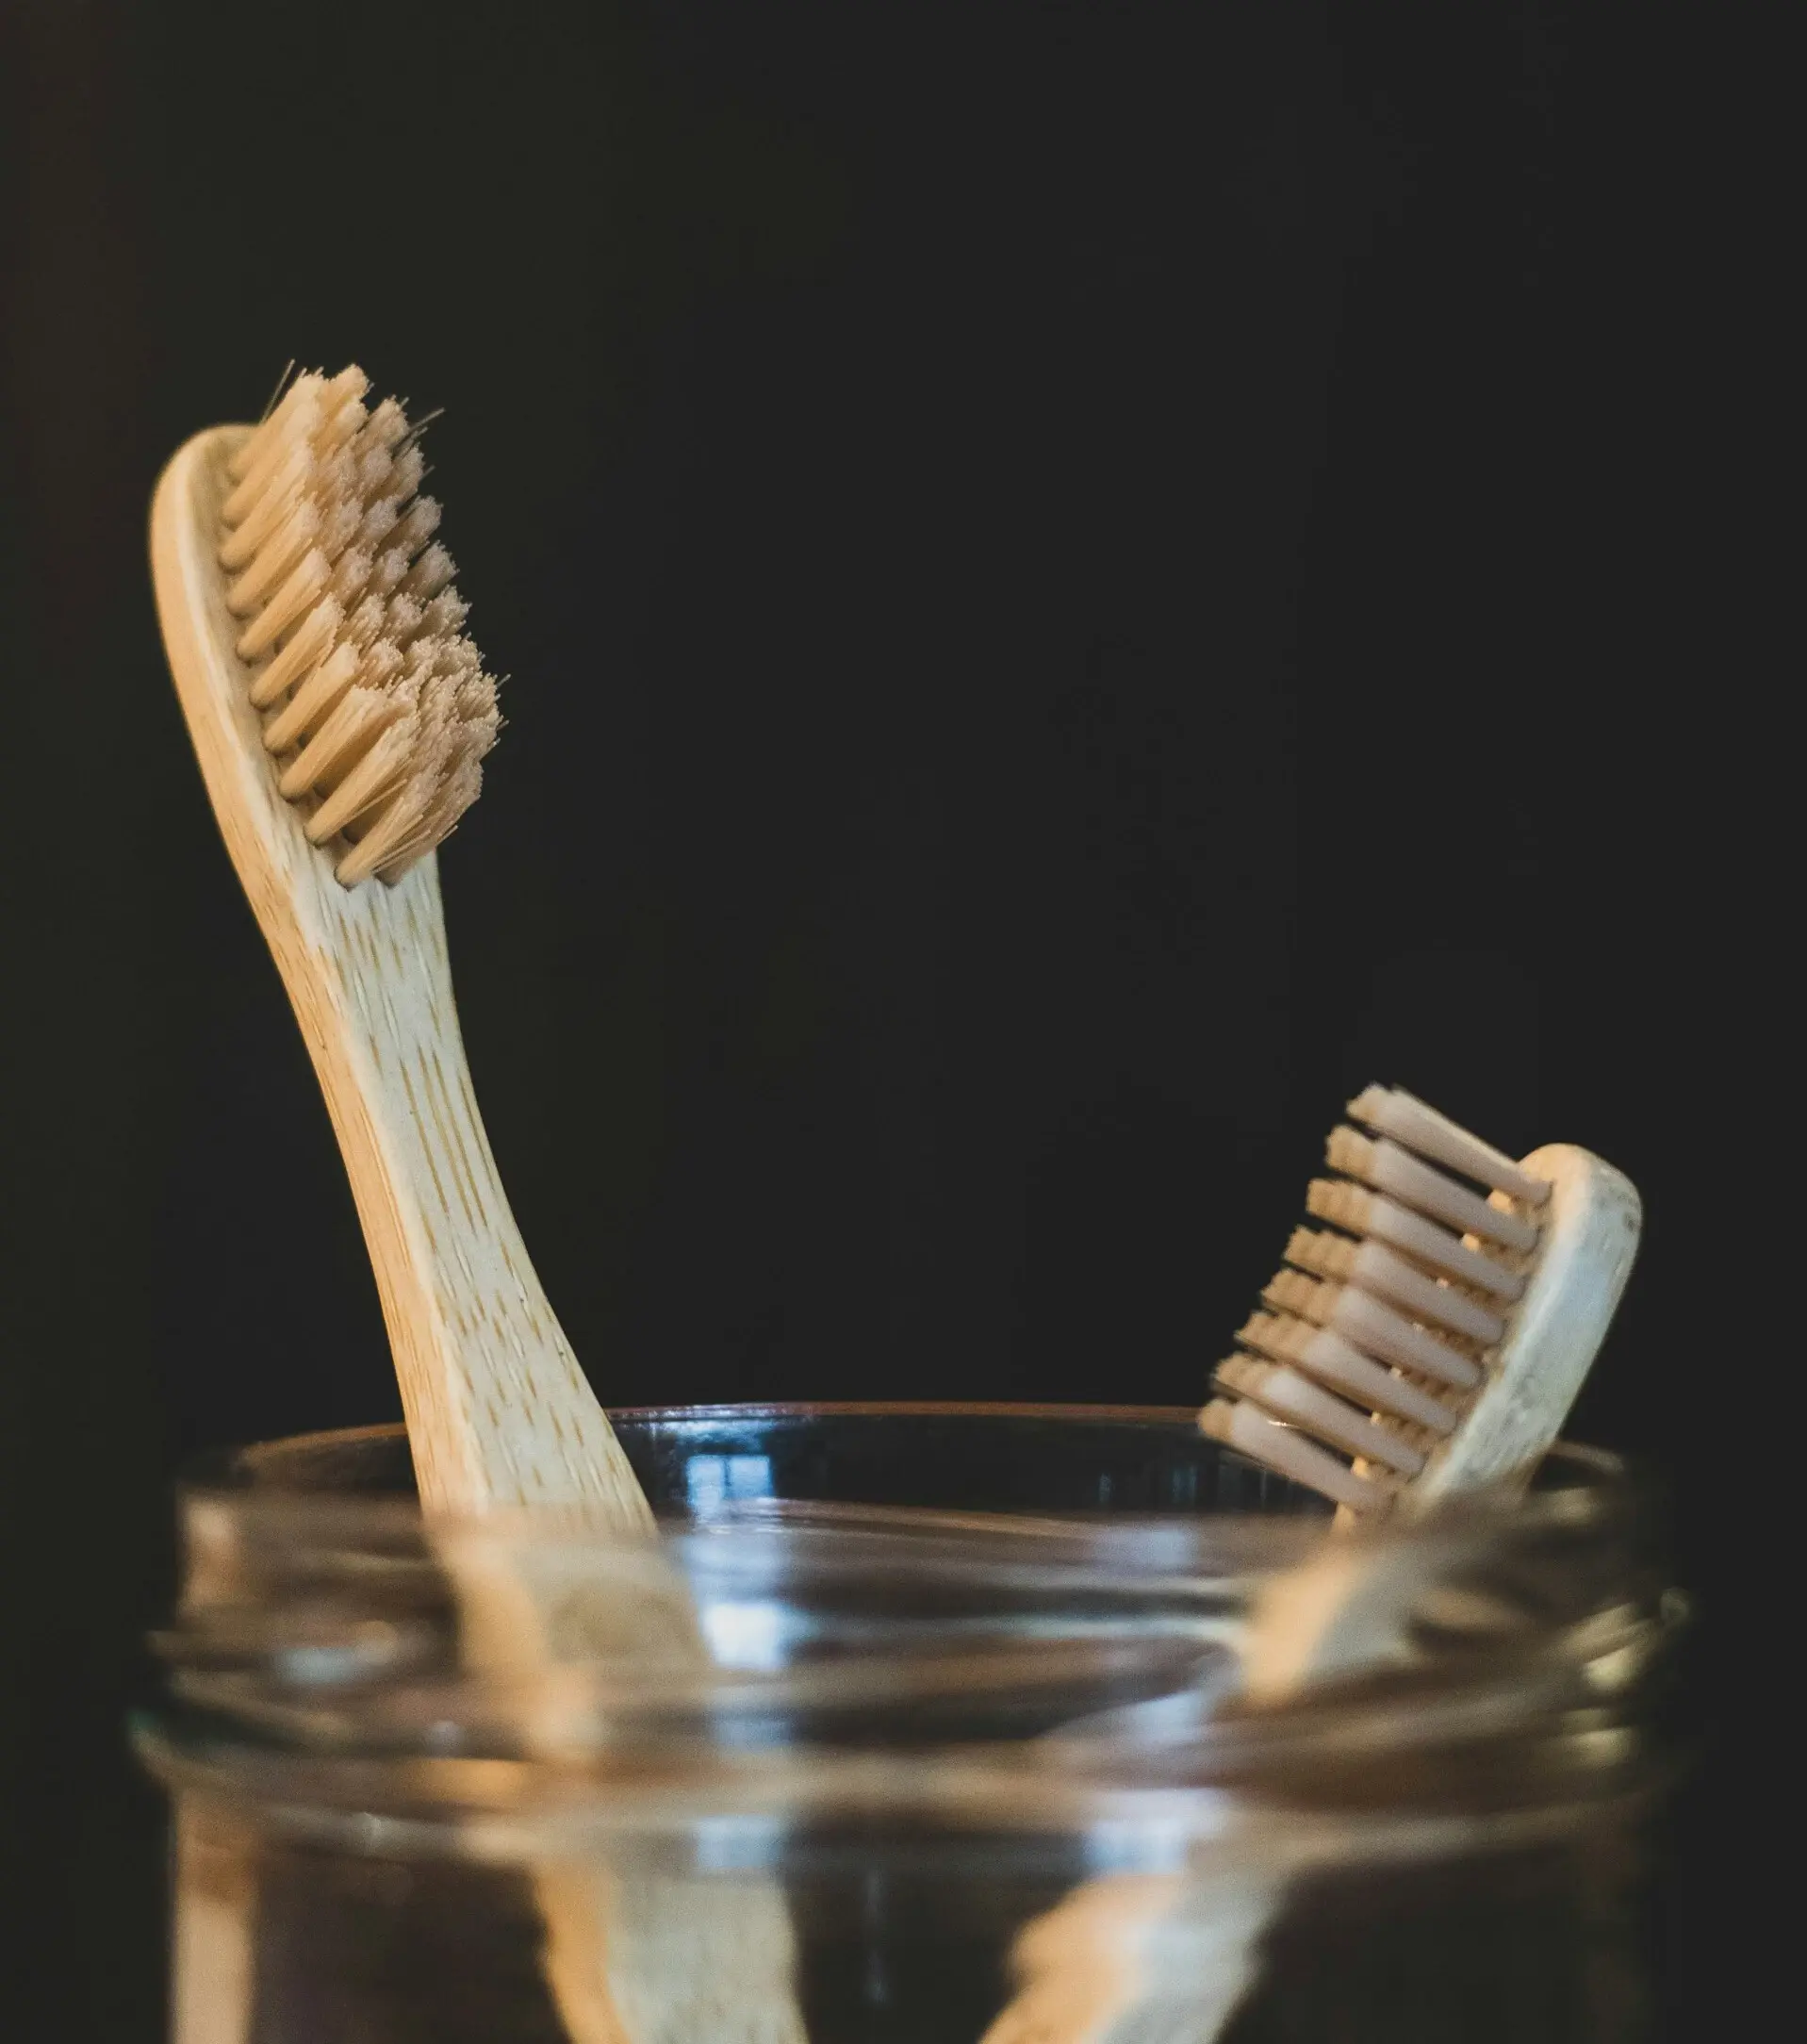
1434,1335
341,717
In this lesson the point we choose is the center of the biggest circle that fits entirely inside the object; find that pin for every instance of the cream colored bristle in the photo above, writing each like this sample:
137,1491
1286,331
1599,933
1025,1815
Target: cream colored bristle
408,471
1372,1326
407,621
344,735
1293,1398
387,836
340,525
374,703
295,420
413,531
349,382
303,390
377,774
265,508
349,576
306,584
381,665
1325,1256
429,573
479,712
1362,1212
386,576
444,616
1335,1363
291,537
377,527
1243,1425
311,701
388,425
339,428
1370,1266
416,832
1380,1337
1382,1164
459,657
367,622
422,655
1391,1110
304,649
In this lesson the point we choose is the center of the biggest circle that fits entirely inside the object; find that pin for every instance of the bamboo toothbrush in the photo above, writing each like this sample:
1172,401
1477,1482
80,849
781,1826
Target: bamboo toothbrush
1434,1335
1436,1340
1462,1327
341,716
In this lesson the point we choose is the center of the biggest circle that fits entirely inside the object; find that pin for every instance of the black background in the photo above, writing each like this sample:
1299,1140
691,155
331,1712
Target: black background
1078,582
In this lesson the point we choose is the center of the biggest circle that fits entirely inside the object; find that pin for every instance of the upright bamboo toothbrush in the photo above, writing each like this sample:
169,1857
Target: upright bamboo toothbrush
341,716
1437,1338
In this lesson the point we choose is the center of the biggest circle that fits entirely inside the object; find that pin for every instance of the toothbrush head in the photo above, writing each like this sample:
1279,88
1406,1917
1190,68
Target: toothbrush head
338,606
1433,1335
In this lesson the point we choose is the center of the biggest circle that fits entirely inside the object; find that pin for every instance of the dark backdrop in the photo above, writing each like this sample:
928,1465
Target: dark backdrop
1079,580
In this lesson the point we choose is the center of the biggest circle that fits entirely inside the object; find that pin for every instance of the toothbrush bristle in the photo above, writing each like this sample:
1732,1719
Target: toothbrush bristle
1380,1334
375,703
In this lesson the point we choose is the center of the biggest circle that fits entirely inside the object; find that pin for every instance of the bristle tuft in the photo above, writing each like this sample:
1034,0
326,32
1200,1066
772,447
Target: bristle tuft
1378,1336
1391,1110
375,703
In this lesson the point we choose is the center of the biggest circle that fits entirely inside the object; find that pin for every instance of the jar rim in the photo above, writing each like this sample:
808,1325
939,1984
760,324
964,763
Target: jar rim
888,1652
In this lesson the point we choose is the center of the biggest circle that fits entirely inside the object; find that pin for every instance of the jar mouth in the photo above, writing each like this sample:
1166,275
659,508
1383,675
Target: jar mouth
779,1648
1181,1465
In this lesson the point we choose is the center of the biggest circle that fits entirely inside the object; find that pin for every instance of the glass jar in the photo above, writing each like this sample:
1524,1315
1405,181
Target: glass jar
965,1738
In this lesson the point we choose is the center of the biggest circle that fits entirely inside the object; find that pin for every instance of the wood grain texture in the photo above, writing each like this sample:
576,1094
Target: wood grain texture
1590,1227
498,1411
